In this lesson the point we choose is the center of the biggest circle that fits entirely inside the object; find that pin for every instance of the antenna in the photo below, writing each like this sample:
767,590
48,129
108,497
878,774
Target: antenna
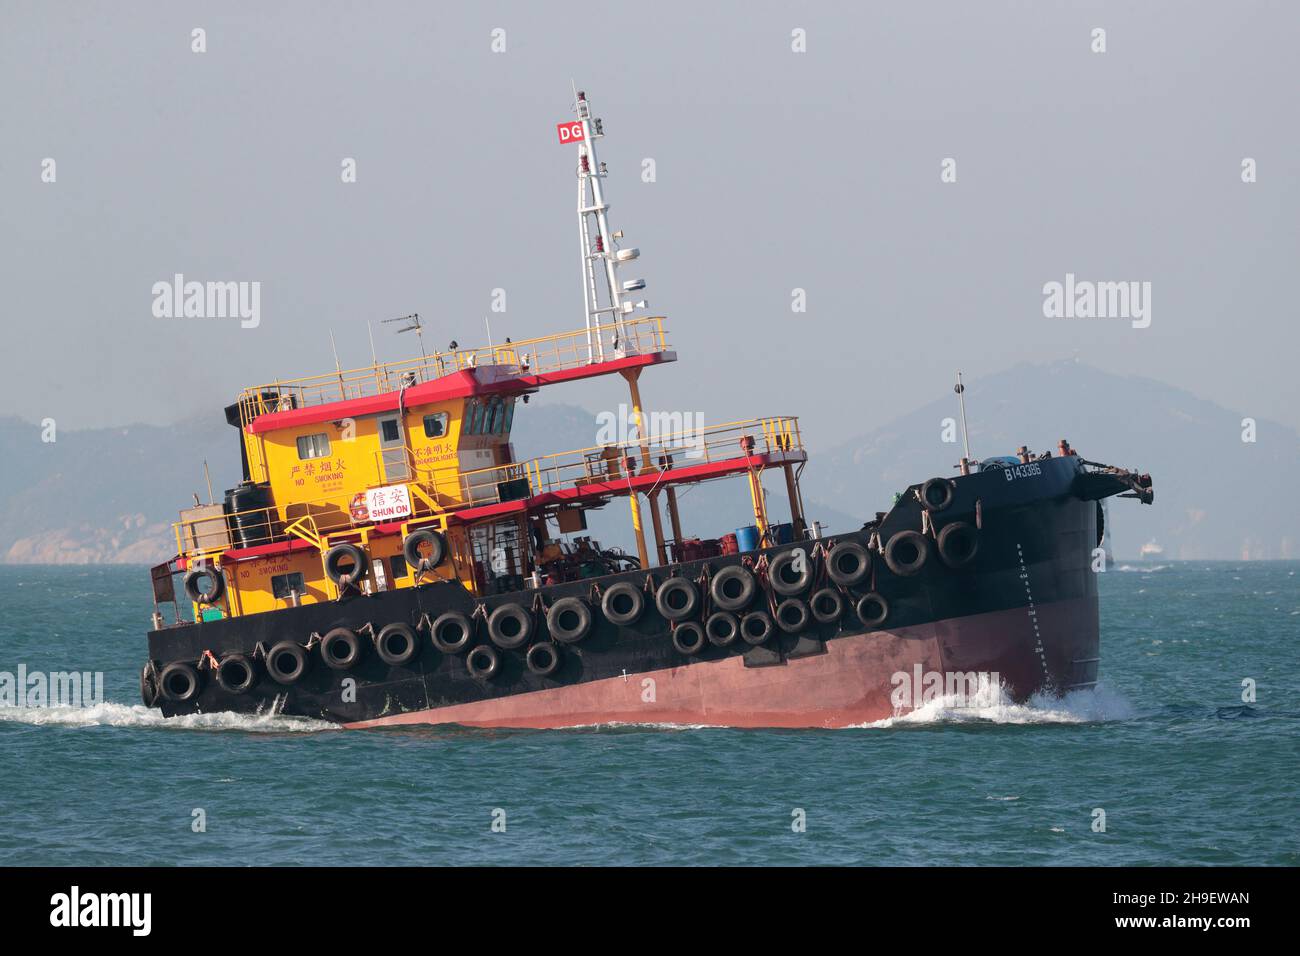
337,367
597,245
414,326
960,389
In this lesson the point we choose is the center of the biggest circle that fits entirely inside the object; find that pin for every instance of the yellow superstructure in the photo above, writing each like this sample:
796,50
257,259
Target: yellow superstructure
366,457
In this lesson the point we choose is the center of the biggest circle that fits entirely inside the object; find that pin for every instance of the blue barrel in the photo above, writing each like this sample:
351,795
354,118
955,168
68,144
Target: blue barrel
747,538
781,533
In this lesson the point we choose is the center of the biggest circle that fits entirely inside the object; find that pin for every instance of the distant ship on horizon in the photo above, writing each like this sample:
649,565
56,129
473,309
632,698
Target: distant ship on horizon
1151,550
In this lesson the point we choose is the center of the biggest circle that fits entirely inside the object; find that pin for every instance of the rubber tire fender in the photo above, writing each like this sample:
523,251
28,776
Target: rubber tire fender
148,686
231,665
733,587
417,562
549,664
776,572
730,628
950,550
801,616
688,638
438,632
497,623
341,636
620,593
858,569
213,593
872,609
401,632
559,623
291,649
677,585
945,488
483,662
189,676
827,606
904,540
756,627
345,550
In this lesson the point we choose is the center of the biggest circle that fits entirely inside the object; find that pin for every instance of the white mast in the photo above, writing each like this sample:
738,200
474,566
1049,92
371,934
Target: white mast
600,247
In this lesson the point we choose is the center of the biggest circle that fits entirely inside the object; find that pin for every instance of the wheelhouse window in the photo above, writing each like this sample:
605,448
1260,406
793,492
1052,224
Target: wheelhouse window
282,585
313,446
435,426
389,429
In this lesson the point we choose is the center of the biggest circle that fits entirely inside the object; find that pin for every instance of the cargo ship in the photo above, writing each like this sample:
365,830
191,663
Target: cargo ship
386,560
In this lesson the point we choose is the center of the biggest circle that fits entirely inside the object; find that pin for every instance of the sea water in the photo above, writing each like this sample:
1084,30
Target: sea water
1187,752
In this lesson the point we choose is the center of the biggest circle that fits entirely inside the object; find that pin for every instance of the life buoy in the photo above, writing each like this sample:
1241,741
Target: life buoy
756,627
215,589
959,542
148,685
340,649
416,560
792,616
179,682
733,588
396,644
622,604
543,659
451,632
236,674
688,638
335,558
286,662
848,563
569,620
483,662
872,609
722,628
677,599
907,552
937,494
827,606
510,626
790,572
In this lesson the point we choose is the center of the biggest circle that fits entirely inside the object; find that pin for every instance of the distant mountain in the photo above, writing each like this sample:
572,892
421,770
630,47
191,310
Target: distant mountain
110,495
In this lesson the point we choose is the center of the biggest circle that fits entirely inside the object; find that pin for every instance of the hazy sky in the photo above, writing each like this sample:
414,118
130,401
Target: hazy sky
776,170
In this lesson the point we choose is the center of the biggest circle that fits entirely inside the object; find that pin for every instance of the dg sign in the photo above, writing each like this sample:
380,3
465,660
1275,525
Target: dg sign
570,132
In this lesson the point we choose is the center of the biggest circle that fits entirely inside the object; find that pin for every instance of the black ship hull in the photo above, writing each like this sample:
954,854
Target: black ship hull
1021,611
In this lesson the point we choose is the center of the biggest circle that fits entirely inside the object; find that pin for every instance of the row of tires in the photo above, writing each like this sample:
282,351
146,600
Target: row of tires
571,619
345,564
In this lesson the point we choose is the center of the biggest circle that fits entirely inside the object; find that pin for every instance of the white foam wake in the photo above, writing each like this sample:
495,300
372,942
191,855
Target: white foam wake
993,705
109,714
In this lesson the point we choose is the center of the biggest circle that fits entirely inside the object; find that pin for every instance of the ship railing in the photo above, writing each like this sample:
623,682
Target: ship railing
542,355
776,440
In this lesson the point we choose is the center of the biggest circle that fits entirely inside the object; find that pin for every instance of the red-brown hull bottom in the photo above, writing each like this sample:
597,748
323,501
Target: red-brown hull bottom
1054,647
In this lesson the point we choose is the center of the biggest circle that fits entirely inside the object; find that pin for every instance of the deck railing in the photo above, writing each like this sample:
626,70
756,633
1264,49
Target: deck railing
776,440
547,354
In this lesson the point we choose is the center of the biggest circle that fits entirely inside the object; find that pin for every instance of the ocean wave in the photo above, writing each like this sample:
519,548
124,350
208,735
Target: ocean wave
993,705
1141,568
110,714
